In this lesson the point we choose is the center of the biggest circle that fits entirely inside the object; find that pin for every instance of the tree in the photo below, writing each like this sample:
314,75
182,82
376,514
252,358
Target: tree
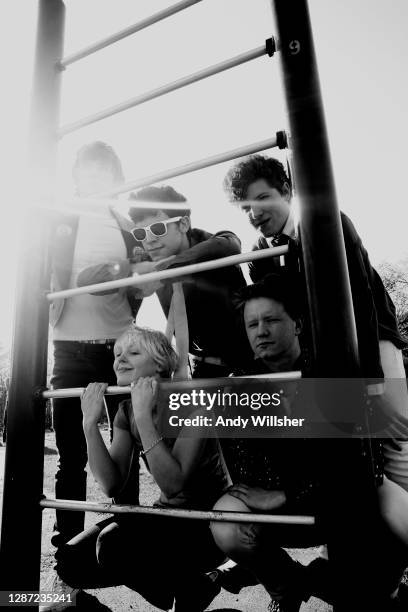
395,279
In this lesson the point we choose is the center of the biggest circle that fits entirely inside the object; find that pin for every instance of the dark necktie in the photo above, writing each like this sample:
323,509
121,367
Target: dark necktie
280,240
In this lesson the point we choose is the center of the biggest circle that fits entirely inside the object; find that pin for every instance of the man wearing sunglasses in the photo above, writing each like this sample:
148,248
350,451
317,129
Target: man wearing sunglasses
165,239
157,229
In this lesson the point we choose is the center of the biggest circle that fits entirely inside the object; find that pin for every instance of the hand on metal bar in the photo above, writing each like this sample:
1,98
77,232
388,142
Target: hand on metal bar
143,279
167,385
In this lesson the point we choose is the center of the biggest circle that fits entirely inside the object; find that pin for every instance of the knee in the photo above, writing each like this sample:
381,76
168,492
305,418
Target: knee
390,497
231,538
226,538
393,502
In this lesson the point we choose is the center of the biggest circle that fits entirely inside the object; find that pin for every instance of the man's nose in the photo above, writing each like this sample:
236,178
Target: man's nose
262,329
255,212
150,237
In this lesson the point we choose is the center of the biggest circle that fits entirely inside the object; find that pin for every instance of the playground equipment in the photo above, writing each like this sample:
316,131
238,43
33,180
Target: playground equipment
324,258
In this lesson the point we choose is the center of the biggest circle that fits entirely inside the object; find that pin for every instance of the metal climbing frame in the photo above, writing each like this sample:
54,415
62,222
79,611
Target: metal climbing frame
329,290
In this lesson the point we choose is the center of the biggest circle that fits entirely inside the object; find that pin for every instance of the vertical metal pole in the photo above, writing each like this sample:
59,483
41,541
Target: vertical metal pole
349,497
320,226
23,479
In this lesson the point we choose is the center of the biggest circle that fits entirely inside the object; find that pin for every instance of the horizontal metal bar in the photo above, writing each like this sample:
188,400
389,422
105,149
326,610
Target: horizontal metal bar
213,160
201,515
179,385
295,375
66,205
77,392
140,25
163,90
122,206
142,279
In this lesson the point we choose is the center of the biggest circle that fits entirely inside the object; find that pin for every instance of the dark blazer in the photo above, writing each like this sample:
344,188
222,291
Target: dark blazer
213,324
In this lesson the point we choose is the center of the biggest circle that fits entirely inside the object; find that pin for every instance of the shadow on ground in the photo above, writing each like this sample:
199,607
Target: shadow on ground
85,601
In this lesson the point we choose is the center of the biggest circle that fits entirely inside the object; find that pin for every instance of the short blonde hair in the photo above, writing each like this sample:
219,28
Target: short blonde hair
156,346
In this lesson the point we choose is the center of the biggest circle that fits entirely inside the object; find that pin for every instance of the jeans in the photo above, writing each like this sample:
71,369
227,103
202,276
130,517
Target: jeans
75,365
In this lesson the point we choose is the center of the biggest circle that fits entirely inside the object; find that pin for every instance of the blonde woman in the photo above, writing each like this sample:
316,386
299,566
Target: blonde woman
154,556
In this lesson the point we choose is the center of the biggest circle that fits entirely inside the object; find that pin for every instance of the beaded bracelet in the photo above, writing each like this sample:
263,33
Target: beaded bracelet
144,452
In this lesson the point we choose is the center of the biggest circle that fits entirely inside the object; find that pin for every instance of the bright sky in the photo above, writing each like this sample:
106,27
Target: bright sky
362,59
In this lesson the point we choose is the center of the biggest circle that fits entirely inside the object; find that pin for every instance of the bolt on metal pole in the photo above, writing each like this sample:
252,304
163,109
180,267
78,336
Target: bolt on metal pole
23,479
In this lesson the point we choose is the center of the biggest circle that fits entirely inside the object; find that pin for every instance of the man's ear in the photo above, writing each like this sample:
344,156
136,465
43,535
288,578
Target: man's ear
184,224
298,326
286,191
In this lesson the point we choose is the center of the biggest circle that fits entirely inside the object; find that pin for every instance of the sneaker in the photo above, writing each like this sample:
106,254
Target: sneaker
62,592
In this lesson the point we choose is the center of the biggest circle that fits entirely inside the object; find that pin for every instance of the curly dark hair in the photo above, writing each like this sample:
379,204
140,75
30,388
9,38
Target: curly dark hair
253,168
163,194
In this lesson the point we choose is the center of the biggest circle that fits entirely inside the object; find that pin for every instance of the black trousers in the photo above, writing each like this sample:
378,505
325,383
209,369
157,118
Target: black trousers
155,556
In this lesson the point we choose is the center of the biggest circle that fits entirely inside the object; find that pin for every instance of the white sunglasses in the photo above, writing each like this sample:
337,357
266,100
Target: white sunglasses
158,229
